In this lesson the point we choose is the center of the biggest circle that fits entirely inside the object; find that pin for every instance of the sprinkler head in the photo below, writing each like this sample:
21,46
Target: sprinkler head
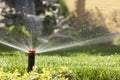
31,59
31,51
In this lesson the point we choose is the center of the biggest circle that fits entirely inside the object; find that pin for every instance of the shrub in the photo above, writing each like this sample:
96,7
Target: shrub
63,10
92,31
62,73
117,40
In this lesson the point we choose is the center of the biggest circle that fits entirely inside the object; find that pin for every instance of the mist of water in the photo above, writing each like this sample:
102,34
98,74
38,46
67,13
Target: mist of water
80,43
34,35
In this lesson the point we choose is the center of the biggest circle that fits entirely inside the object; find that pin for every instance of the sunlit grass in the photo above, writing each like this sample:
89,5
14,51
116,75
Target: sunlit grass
87,62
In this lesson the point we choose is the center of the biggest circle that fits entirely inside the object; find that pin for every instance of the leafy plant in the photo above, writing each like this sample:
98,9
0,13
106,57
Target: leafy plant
20,29
117,41
92,31
63,10
47,74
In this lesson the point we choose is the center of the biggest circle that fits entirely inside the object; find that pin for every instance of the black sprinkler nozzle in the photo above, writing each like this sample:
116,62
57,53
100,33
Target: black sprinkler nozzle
31,60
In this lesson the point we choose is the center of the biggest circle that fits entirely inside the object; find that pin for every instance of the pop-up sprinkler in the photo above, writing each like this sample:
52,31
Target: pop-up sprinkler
31,59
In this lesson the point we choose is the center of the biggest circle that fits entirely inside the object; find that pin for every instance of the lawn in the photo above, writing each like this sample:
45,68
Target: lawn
87,62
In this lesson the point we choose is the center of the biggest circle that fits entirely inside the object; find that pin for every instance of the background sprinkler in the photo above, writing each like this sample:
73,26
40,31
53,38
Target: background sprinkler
31,60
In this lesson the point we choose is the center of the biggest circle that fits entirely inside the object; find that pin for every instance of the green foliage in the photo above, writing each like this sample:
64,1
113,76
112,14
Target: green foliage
98,73
117,41
49,23
11,28
87,32
47,74
18,29
86,63
25,31
63,10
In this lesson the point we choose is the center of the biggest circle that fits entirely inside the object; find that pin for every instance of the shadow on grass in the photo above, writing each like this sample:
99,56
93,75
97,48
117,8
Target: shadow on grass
4,48
7,51
11,54
103,50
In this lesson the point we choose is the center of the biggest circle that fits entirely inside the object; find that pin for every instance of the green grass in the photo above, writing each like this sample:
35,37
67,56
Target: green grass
88,62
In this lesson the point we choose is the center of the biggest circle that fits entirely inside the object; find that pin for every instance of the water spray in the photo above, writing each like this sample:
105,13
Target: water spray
31,60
